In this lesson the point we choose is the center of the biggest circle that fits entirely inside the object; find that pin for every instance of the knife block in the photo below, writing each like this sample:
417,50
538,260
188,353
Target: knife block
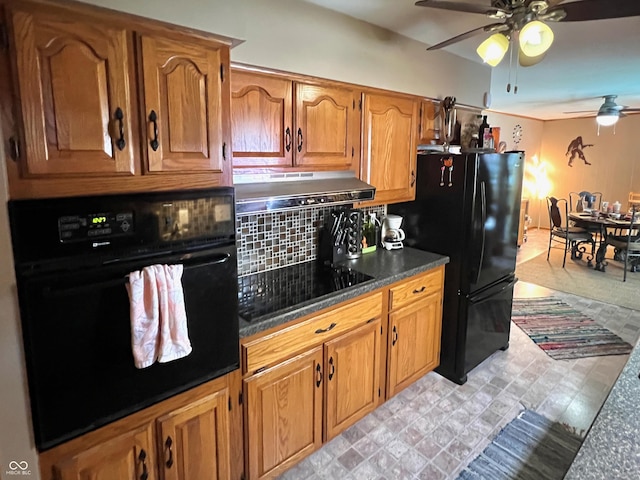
348,242
328,253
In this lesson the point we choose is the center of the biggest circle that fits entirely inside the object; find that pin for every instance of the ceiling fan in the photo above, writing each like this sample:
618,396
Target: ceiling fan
522,20
609,112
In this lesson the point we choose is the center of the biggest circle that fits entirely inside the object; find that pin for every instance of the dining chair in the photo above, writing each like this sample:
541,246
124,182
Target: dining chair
575,200
575,205
561,232
634,200
627,247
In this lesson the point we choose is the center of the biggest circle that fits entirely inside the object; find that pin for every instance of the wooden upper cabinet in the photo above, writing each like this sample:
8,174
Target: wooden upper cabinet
74,83
278,122
429,125
194,440
185,106
261,120
389,146
104,102
127,456
327,126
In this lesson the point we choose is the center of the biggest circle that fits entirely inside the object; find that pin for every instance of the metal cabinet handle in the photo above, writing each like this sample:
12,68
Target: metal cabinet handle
167,445
300,140
143,459
318,374
14,148
153,118
332,370
119,116
324,330
419,290
287,139
395,336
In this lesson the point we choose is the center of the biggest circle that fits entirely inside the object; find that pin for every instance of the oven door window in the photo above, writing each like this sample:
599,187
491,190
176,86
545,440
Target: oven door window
78,344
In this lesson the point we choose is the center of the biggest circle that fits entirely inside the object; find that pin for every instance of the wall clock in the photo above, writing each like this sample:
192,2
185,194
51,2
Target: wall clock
517,134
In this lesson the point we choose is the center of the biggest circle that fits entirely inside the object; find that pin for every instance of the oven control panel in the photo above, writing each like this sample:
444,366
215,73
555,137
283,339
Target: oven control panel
74,228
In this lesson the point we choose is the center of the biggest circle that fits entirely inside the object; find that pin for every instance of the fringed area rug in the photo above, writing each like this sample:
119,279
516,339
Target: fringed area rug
563,332
530,447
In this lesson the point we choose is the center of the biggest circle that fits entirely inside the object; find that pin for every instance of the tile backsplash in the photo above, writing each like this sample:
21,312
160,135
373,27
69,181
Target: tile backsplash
271,240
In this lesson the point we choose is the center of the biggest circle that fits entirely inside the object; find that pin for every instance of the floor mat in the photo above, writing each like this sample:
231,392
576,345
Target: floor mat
530,447
563,332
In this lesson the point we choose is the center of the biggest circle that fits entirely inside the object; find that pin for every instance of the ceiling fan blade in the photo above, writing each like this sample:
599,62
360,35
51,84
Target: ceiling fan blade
494,27
582,111
598,9
463,7
553,3
627,110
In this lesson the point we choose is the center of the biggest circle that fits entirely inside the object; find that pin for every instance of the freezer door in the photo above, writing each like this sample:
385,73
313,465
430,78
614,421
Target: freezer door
497,186
488,322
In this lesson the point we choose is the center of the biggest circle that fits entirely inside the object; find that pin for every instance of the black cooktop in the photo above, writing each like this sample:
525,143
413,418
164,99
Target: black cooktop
281,289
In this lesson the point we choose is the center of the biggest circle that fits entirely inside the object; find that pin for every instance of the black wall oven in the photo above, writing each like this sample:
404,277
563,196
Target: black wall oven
73,256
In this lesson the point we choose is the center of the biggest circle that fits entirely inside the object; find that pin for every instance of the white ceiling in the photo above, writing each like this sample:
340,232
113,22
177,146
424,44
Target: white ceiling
586,61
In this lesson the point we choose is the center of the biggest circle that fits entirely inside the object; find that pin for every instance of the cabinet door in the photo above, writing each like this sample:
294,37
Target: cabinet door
389,146
414,342
428,126
261,120
352,366
126,457
186,105
283,410
195,440
73,80
327,127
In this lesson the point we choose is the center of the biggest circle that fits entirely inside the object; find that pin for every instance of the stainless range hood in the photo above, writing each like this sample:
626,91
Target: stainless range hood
285,191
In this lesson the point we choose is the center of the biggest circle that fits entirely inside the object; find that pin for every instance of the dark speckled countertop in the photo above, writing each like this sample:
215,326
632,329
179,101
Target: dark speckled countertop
611,449
384,266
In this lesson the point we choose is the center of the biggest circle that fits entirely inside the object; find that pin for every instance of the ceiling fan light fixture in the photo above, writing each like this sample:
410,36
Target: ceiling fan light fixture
535,38
607,119
493,49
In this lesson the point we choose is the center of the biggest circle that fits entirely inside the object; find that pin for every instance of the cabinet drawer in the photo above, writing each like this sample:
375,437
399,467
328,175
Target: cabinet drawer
416,288
278,346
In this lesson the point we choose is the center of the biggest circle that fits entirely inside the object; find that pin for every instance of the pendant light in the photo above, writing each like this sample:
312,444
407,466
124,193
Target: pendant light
493,49
607,119
609,112
535,38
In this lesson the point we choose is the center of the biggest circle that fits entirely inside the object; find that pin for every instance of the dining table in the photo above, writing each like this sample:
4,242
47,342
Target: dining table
604,224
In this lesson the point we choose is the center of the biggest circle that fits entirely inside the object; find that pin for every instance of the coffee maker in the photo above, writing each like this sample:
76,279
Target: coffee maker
392,234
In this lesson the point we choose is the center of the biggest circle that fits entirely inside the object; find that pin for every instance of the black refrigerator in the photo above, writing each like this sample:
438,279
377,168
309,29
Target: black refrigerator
467,207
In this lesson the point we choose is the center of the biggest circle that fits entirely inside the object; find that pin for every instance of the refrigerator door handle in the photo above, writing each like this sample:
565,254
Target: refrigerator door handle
484,298
483,221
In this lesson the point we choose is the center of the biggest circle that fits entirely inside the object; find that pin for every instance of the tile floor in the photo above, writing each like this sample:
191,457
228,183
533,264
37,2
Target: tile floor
434,428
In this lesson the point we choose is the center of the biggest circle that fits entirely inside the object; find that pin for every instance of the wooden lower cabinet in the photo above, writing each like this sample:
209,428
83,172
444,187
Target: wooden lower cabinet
194,440
414,342
284,414
127,456
182,438
352,369
309,380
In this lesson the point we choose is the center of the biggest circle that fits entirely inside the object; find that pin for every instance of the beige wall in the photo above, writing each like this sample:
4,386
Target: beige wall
614,158
298,37
16,443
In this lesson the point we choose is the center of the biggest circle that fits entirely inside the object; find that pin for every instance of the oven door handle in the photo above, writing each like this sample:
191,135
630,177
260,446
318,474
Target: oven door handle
188,263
